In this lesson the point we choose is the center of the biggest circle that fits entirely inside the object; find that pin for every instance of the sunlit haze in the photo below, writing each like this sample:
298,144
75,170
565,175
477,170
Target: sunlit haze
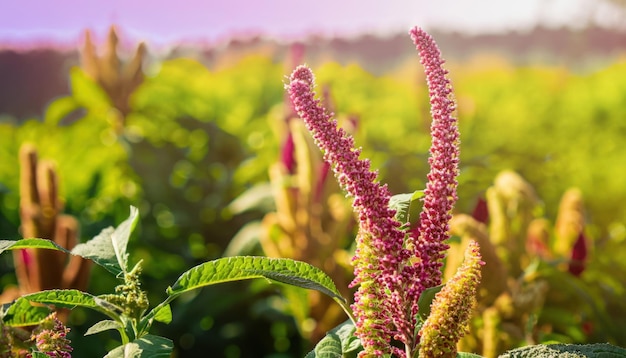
164,22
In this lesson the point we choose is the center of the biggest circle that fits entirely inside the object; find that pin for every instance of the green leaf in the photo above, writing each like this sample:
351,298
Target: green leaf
400,203
164,315
426,298
29,244
38,354
467,355
328,347
102,326
345,332
415,207
235,268
161,313
600,350
406,206
337,343
108,249
71,299
63,298
147,346
21,313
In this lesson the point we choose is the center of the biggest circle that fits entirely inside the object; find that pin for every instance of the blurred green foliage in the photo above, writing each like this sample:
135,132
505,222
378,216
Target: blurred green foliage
195,139
556,128
96,179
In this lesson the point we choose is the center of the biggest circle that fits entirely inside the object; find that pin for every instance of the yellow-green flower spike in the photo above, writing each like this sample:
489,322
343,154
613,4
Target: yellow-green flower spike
452,308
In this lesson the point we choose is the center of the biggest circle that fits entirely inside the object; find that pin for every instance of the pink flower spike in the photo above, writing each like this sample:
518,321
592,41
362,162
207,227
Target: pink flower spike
379,259
440,194
391,273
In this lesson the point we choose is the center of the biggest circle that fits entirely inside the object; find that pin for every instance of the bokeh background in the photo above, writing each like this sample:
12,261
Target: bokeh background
179,110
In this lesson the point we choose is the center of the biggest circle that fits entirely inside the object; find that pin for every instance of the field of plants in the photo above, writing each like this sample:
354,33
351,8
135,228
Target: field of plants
218,164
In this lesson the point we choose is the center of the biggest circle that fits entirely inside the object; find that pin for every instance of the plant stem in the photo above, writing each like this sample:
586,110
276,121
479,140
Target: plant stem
346,308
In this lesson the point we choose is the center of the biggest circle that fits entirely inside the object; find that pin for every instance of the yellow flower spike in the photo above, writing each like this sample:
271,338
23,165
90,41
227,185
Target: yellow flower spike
452,308
512,203
570,222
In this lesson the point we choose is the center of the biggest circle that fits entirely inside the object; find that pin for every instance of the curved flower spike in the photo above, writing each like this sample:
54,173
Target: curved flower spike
379,257
391,273
452,308
440,193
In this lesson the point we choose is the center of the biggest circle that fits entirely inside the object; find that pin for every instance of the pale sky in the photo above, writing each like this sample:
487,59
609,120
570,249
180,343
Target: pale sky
167,21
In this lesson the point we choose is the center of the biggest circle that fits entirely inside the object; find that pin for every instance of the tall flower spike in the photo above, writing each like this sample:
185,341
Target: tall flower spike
452,308
440,194
380,256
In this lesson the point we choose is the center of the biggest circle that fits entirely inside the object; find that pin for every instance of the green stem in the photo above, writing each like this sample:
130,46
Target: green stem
124,336
144,323
346,308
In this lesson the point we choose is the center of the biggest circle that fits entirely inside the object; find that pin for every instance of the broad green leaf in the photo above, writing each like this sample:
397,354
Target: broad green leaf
164,315
71,299
29,244
235,268
106,306
63,298
39,355
599,350
100,250
340,342
122,235
345,332
426,298
108,249
148,346
161,313
102,326
21,313
328,347
467,355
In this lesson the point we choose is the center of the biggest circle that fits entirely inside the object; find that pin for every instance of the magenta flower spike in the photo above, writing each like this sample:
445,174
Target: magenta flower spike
440,194
379,256
392,265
